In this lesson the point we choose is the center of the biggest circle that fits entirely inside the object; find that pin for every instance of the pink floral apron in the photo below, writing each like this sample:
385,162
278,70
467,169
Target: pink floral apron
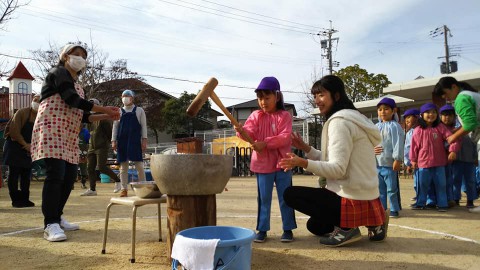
56,129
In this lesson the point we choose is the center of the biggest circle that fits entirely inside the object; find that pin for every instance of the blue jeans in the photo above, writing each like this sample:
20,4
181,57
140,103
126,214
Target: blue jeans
388,187
426,177
477,175
265,182
60,176
449,181
464,172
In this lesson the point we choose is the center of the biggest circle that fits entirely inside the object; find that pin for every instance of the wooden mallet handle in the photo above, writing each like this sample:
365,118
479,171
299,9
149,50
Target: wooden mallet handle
219,103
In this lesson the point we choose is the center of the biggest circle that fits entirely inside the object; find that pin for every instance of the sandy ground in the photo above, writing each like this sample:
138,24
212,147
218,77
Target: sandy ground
417,240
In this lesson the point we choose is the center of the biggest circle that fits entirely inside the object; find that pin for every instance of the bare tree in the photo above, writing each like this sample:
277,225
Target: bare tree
45,59
97,70
309,102
8,7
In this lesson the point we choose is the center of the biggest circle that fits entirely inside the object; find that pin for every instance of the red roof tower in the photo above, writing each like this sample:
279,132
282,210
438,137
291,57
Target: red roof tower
20,72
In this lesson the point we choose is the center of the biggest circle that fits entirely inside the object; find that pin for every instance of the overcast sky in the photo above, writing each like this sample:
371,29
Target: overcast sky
240,42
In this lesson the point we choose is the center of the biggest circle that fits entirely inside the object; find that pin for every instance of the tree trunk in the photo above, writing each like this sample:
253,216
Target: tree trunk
186,212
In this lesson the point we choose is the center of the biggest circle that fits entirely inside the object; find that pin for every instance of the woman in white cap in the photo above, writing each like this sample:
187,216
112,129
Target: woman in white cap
55,135
129,139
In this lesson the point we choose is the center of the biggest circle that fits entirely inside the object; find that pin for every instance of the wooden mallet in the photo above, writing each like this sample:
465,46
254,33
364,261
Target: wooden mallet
203,96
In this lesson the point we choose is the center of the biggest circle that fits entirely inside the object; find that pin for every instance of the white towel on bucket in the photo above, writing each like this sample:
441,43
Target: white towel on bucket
194,254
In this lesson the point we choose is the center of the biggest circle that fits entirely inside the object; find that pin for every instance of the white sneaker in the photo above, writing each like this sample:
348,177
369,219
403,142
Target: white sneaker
118,187
89,192
67,226
54,233
475,210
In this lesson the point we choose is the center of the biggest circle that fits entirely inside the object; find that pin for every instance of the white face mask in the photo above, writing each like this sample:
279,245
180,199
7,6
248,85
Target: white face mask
126,101
77,63
35,105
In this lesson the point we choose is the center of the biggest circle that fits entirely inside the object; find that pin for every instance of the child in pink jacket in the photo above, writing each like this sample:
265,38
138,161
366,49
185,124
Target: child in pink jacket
270,128
427,153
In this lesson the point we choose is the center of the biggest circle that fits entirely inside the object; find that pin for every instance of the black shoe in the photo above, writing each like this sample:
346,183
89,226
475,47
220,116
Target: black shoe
452,203
470,204
22,204
379,233
430,206
260,237
394,214
417,207
287,236
28,204
18,204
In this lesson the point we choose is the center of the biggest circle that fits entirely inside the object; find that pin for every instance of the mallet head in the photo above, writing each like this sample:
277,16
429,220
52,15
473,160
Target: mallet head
202,97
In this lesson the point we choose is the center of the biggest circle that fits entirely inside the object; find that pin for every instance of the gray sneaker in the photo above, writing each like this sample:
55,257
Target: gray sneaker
89,192
340,237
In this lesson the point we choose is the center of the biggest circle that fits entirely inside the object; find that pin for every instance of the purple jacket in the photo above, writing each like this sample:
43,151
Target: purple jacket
274,129
428,146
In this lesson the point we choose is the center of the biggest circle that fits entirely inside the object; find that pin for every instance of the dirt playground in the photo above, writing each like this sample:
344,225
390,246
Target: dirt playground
421,239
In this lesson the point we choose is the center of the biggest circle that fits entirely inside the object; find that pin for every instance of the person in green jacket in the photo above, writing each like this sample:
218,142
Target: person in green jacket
466,102
100,134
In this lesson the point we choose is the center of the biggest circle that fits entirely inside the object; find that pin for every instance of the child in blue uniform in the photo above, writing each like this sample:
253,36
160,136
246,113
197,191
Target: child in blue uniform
411,120
462,170
390,159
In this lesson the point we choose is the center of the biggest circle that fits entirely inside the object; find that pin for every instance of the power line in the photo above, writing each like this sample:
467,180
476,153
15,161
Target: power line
313,28
17,57
230,33
181,43
262,15
239,19
159,76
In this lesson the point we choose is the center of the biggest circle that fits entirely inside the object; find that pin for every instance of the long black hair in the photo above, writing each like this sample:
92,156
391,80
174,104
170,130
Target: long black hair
334,85
448,82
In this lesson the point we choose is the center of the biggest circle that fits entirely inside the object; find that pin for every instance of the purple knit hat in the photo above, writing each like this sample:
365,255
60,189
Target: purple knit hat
447,108
409,112
427,106
387,101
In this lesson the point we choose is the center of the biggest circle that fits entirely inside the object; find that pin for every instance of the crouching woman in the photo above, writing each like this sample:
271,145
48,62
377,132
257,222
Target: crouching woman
347,162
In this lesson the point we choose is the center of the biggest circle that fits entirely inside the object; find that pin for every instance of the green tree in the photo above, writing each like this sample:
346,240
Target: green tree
176,121
361,85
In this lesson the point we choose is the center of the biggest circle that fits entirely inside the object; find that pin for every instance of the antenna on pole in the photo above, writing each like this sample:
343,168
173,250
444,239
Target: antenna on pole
448,66
326,45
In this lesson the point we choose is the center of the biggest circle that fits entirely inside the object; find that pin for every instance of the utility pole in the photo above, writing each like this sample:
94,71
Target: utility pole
446,67
447,56
326,44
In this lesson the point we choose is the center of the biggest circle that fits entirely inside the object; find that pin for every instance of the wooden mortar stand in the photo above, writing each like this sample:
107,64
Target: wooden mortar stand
188,211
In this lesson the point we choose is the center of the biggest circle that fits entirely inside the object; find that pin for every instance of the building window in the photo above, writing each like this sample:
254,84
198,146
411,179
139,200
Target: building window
22,88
